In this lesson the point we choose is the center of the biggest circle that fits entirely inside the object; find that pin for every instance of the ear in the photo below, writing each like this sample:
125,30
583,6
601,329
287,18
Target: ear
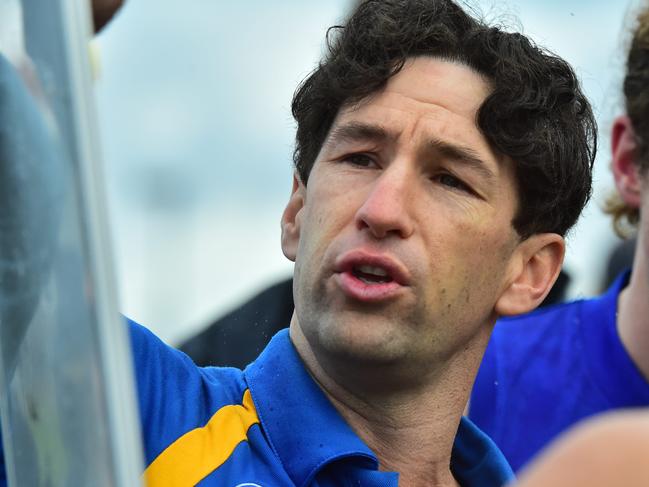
291,219
625,170
534,268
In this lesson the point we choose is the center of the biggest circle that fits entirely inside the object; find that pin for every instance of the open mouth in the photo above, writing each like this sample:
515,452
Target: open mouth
371,277
371,274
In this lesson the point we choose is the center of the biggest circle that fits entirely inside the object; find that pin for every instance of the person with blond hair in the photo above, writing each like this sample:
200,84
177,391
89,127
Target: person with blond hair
554,367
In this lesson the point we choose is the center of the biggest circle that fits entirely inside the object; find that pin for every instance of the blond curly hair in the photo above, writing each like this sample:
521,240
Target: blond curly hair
636,96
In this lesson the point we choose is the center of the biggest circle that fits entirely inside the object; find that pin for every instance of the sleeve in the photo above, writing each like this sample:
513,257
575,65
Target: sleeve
171,392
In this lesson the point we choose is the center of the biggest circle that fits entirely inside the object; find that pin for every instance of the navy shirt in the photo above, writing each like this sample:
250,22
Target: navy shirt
544,371
270,425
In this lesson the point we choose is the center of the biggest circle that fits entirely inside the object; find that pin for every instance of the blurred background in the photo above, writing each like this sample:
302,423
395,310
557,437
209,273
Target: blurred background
194,106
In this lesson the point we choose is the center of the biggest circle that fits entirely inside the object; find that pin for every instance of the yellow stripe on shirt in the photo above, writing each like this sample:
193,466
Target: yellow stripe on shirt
199,452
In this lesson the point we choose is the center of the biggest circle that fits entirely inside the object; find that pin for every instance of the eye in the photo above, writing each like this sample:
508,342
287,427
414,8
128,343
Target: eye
360,160
452,182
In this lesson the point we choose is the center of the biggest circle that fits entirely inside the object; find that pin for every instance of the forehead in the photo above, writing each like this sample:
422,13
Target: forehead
428,94
430,99
440,82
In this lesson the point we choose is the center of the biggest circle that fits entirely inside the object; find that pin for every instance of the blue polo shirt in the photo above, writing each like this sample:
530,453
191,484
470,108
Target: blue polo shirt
545,371
270,425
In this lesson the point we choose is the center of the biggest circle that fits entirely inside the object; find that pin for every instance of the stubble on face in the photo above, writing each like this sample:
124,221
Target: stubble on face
388,333
457,257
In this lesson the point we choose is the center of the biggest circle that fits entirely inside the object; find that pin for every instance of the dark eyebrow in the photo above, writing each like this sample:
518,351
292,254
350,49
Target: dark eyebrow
464,155
360,131
357,131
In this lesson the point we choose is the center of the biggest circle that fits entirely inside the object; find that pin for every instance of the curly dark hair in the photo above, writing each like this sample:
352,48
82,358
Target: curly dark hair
536,113
636,97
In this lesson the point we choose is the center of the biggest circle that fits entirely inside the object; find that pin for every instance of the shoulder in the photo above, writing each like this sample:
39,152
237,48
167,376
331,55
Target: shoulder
514,336
173,371
548,327
554,315
558,317
176,396
608,450
552,336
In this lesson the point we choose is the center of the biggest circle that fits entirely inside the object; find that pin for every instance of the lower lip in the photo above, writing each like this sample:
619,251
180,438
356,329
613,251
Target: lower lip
360,290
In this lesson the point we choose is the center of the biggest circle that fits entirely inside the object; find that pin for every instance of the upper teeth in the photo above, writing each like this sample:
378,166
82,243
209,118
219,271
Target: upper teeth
369,269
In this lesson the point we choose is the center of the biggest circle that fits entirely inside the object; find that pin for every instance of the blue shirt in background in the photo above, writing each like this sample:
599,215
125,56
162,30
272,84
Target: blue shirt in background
544,371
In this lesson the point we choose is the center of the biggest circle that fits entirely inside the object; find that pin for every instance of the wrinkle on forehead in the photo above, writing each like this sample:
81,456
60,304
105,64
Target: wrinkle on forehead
442,123
466,97
427,81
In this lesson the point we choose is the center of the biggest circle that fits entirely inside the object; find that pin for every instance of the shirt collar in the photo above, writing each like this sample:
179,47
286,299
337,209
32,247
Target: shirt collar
307,433
302,426
476,461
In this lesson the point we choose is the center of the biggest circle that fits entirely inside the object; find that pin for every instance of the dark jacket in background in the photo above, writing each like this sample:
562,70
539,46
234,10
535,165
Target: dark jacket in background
238,338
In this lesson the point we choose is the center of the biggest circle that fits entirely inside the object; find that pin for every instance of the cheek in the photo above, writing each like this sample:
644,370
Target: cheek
488,250
324,218
473,258
330,206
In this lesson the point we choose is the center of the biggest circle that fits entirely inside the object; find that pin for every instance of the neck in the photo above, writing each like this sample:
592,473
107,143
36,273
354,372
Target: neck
633,310
410,430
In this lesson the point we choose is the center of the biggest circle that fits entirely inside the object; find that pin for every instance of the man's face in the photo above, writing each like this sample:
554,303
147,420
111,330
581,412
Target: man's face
403,233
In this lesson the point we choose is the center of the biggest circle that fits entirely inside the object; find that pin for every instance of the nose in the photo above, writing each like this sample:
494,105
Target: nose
386,208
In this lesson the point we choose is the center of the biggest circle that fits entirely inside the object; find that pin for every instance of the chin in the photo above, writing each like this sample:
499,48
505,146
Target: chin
366,341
